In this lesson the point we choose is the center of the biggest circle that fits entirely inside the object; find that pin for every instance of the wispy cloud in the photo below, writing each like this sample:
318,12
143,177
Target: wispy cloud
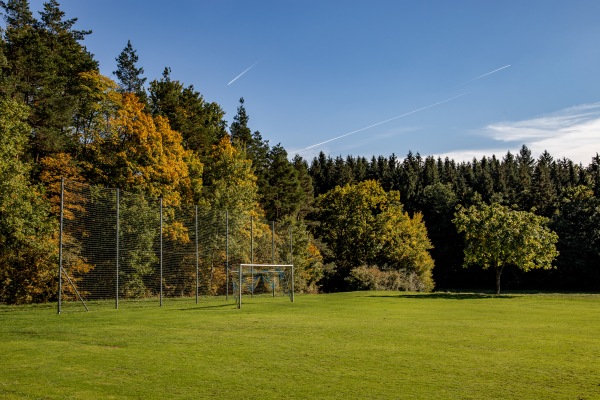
384,121
240,75
484,75
573,133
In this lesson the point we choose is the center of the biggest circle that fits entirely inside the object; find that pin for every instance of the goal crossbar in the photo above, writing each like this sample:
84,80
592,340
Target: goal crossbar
272,268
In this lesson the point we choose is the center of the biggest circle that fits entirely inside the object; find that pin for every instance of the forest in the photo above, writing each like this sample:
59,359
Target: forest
381,223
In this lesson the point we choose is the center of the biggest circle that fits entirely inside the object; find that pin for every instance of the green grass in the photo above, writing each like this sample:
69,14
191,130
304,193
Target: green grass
367,345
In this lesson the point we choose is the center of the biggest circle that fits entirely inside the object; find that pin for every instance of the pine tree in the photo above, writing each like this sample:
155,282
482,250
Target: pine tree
129,75
241,135
284,194
200,123
525,167
308,196
543,191
44,63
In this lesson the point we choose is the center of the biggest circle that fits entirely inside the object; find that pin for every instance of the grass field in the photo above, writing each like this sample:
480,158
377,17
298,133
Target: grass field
367,345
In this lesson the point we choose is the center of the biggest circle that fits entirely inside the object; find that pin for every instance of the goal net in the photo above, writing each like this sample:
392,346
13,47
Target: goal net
262,279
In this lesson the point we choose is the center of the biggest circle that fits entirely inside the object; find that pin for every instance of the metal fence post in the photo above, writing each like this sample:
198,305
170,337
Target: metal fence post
60,243
292,260
251,255
161,251
197,280
117,277
227,254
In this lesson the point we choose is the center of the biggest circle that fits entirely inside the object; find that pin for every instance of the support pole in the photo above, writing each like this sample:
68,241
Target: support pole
197,255
161,251
117,247
76,291
60,244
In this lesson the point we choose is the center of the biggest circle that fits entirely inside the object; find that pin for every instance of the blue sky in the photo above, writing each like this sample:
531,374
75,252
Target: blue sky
321,70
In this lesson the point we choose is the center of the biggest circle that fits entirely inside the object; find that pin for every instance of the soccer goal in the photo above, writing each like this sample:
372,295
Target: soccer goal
261,279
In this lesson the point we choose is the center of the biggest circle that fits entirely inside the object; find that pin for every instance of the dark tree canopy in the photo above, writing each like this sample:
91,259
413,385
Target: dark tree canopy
129,76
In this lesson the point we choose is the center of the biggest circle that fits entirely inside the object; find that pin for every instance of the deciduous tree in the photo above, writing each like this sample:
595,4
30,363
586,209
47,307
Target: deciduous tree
364,225
27,249
496,236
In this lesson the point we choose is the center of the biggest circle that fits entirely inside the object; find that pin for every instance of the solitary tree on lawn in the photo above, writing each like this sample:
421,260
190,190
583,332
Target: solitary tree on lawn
496,236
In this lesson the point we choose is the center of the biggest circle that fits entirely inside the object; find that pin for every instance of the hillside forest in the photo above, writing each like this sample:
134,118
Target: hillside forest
380,223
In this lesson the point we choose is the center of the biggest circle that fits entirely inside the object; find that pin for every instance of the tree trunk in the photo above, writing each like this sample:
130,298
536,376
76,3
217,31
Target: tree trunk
498,274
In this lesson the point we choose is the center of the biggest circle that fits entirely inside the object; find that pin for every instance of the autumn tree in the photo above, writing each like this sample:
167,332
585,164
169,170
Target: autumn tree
365,226
141,153
496,236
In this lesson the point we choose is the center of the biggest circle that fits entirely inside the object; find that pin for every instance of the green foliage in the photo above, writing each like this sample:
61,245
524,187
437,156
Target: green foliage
241,135
44,63
200,123
139,233
230,185
27,246
364,225
578,227
128,74
496,236
282,193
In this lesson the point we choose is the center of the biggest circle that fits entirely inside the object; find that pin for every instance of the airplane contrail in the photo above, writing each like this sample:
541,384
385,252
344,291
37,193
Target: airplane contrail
246,70
387,120
486,74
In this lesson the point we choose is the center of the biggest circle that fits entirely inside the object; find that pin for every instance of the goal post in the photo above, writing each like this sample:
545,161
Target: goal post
266,278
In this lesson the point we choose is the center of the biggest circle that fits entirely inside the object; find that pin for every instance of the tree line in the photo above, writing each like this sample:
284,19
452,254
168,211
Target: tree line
379,223
562,192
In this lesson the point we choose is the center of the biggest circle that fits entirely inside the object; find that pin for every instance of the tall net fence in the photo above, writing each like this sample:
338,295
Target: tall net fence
118,247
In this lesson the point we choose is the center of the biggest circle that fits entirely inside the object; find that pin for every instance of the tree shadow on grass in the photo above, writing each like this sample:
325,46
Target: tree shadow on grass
206,307
449,296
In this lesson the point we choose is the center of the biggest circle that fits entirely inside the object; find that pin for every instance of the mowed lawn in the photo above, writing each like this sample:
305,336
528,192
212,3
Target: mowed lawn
366,345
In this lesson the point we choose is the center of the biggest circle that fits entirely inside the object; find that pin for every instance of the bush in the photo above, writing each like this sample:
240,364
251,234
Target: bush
373,278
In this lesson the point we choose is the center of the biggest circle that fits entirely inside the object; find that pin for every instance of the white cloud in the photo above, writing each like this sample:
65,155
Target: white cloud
573,133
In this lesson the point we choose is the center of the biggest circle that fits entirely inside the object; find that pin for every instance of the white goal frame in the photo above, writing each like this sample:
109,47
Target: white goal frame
262,269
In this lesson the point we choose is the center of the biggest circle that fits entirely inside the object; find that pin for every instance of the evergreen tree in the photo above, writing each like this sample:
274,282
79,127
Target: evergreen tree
129,76
200,123
307,198
283,195
578,227
594,174
543,191
44,63
525,167
240,133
